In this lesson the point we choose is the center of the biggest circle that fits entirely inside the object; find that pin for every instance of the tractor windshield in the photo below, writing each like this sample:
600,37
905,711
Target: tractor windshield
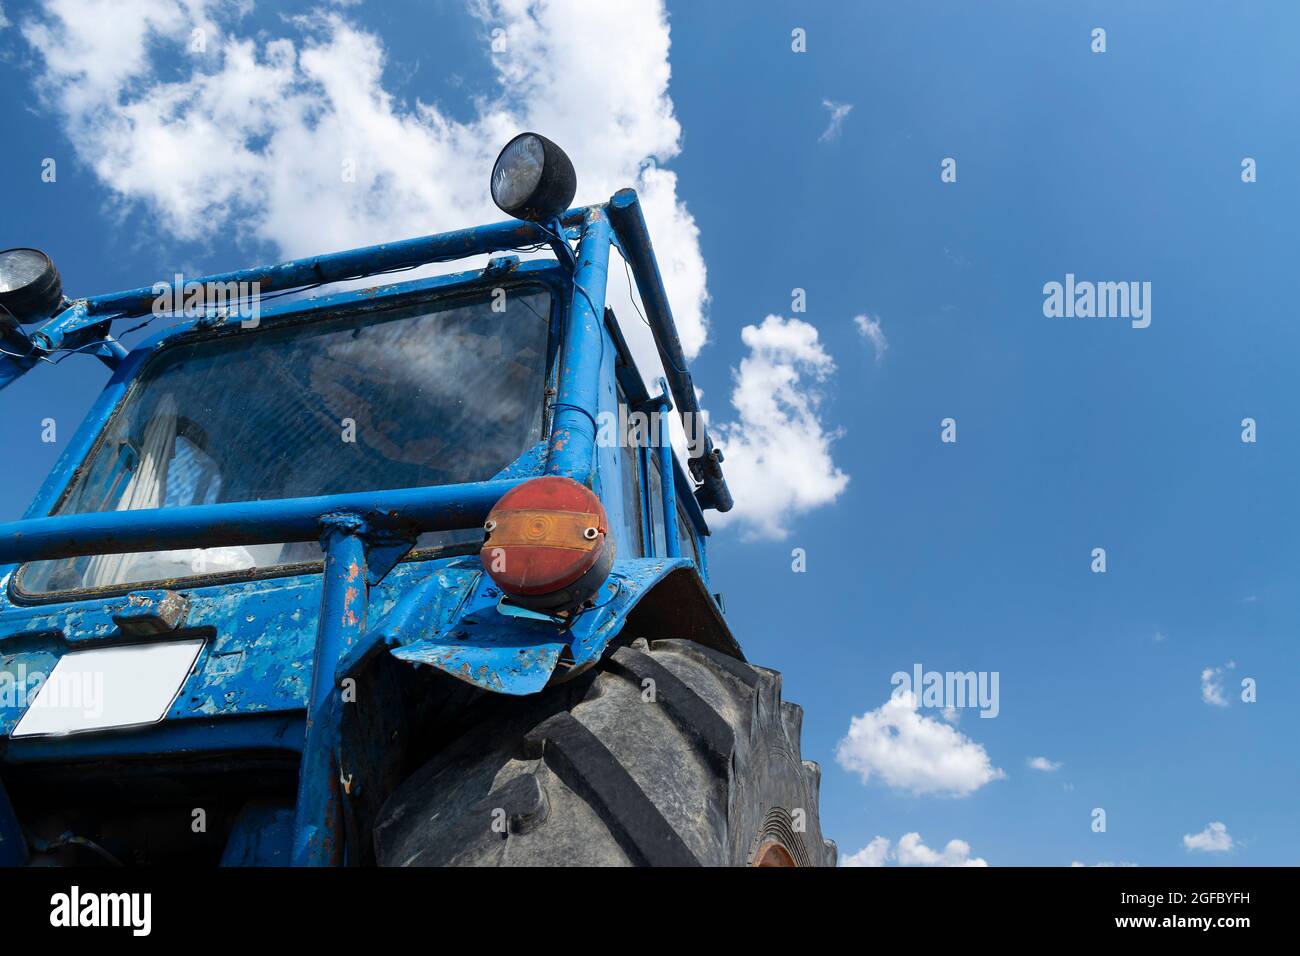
421,395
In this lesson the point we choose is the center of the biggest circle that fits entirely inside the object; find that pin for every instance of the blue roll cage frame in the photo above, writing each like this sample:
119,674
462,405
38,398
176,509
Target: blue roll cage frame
365,534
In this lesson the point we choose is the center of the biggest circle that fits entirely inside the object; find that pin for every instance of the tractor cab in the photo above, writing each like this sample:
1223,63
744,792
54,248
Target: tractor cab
432,391
314,530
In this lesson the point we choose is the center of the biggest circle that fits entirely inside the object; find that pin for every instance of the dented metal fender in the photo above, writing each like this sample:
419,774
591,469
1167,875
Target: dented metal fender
453,621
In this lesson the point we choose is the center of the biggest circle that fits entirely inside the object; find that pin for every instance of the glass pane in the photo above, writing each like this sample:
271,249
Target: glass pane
656,495
629,541
685,539
424,395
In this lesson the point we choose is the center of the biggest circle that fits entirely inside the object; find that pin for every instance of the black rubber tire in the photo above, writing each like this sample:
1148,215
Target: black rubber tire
666,754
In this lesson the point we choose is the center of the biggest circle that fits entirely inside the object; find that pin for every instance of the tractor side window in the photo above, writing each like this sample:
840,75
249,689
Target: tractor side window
656,496
685,536
686,545
629,463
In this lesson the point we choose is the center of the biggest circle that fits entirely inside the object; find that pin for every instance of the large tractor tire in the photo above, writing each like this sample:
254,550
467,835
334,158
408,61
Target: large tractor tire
665,754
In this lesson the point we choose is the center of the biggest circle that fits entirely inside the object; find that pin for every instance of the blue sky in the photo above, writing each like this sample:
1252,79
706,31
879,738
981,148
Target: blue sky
1072,434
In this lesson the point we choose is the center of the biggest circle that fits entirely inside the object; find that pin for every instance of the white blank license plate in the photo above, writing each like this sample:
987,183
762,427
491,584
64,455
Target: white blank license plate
109,687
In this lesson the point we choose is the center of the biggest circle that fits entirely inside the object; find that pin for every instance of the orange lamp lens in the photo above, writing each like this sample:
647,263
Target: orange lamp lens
547,543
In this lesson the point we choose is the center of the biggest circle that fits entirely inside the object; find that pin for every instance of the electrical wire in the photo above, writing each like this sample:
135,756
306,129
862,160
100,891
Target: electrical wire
630,295
243,300
632,298
293,290
565,242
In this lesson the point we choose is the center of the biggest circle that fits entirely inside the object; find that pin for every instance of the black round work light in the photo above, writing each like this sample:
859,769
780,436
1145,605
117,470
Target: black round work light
30,287
532,179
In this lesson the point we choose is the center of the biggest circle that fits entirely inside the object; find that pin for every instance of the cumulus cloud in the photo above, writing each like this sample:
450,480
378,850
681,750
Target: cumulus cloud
1213,839
876,853
293,141
777,448
1212,685
914,753
912,852
869,328
1043,764
838,111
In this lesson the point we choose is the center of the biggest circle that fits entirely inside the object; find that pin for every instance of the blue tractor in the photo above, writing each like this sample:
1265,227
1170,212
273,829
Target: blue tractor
402,574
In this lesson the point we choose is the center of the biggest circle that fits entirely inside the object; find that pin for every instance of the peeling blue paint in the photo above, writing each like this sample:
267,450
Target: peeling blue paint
512,655
271,656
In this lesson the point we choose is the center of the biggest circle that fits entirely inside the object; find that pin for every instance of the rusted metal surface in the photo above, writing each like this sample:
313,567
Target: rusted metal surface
477,644
278,645
510,655
573,430
318,823
152,612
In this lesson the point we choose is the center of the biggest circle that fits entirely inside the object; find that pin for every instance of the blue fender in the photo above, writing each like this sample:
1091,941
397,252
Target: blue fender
452,622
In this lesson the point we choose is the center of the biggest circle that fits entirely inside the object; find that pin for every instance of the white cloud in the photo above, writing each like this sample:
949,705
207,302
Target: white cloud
252,136
875,853
914,753
777,449
912,852
838,111
870,330
951,714
1213,839
1212,686
1045,765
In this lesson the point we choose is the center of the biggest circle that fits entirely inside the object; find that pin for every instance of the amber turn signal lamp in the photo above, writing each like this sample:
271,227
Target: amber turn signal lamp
547,544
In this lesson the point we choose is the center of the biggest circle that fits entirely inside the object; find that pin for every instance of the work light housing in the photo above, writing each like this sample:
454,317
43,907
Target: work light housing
533,179
30,287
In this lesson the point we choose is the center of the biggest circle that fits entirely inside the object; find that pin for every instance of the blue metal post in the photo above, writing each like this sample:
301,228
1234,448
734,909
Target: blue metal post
349,264
438,508
318,826
664,450
573,430
634,239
